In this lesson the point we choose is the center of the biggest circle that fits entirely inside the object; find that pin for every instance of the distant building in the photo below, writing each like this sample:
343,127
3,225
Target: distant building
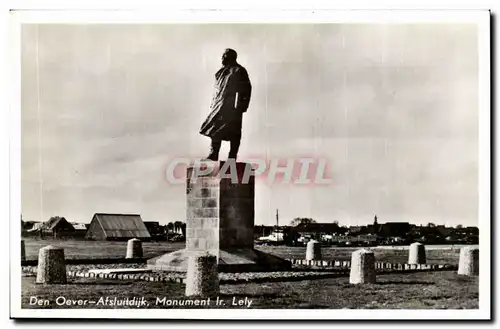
269,234
119,227
394,229
317,230
57,226
372,228
37,226
80,230
368,229
376,227
355,230
263,230
367,238
79,226
28,225
443,230
469,230
154,228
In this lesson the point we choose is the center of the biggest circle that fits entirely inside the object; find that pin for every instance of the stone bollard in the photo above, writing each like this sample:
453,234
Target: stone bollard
416,254
23,251
313,251
362,267
202,277
469,261
51,265
134,248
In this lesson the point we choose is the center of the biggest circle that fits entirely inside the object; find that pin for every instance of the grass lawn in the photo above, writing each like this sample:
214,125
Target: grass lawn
110,249
99,249
434,256
428,290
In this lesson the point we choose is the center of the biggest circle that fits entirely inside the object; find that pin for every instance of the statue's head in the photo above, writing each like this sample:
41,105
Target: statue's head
229,56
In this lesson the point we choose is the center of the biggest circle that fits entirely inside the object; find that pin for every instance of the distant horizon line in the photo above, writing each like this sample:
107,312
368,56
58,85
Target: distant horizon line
255,224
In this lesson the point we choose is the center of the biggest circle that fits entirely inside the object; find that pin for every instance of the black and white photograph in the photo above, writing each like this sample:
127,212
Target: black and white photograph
321,165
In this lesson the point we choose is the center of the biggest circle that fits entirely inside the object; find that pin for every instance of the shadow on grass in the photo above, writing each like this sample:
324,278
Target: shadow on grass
427,283
97,283
309,306
464,279
316,269
388,283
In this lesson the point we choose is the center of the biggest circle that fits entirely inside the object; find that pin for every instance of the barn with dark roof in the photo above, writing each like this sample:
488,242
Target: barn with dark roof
117,227
57,227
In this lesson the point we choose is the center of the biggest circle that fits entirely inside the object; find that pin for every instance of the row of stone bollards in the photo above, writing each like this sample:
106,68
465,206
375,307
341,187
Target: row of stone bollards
202,274
363,264
363,261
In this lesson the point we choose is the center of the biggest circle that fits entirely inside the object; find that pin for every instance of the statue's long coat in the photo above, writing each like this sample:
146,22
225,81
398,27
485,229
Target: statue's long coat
230,100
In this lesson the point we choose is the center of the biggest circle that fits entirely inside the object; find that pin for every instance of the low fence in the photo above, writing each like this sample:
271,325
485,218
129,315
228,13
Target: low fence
91,261
304,270
378,265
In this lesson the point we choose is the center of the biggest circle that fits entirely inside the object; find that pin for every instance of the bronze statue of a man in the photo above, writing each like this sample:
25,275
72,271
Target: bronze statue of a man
231,98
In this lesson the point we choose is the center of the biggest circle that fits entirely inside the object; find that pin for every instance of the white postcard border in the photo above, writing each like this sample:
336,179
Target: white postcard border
481,18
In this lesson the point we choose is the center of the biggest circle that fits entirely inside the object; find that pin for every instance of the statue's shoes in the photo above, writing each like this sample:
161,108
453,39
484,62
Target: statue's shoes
212,158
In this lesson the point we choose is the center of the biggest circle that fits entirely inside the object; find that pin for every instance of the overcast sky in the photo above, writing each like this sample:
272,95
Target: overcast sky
394,109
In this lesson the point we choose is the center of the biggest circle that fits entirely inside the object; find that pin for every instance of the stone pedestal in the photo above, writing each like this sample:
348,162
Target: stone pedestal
134,248
51,265
313,250
220,220
23,251
416,254
469,261
202,277
362,267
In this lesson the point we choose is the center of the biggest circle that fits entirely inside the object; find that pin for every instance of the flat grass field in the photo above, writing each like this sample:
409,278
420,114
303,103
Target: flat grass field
111,249
417,290
98,249
424,290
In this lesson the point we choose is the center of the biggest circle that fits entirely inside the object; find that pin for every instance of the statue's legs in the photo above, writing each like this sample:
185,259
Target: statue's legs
233,151
214,149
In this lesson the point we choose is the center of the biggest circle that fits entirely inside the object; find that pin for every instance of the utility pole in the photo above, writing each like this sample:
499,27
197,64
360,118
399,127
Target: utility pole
277,219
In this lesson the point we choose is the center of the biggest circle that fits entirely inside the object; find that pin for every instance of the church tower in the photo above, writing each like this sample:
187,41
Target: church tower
375,225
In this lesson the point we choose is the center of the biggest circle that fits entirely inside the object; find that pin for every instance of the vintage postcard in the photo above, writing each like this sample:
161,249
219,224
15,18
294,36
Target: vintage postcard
250,165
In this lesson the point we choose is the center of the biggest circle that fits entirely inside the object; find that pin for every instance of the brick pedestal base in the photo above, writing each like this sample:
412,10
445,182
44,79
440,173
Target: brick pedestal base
220,220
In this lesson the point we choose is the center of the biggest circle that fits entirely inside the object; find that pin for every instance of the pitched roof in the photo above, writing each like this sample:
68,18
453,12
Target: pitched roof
53,222
122,225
